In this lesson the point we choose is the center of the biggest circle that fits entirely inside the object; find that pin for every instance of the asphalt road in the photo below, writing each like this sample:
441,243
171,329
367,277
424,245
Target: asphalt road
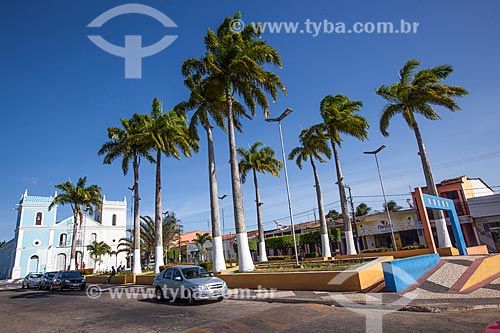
73,311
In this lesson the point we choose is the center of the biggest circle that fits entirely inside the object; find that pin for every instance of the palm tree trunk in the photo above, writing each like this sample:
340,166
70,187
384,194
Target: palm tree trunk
244,256
72,256
258,204
441,228
136,269
349,238
158,213
219,263
325,240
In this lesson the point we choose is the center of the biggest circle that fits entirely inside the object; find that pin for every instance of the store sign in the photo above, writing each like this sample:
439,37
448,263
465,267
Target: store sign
401,222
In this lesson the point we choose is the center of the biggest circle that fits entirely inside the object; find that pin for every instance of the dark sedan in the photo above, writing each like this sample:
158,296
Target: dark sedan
46,280
67,280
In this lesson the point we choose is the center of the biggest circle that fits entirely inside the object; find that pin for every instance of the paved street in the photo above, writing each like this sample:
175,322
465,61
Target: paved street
73,311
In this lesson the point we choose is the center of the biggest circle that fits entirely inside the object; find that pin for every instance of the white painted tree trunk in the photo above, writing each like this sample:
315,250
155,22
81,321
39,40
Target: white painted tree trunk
136,267
72,264
262,251
244,257
219,264
349,241
325,246
158,258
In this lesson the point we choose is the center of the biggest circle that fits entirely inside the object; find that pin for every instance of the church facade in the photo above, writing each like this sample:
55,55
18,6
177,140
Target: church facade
42,243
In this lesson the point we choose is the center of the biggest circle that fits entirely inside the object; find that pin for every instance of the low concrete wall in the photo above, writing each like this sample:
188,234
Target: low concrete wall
350,280
488,268
474,250
144,279
400,274
448,251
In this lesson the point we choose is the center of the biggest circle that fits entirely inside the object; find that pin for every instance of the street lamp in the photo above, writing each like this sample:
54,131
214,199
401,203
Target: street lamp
375,152
222,197
279,119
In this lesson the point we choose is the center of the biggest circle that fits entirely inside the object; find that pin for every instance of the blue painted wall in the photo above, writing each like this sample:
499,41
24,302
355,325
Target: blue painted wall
402,273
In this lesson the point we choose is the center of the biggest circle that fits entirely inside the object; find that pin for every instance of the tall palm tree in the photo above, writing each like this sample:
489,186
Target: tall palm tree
81,198
169,135
148,239
340,117
209,101
362,209
131,144
417,93
97,250
200,240
258,159
314,146
234,62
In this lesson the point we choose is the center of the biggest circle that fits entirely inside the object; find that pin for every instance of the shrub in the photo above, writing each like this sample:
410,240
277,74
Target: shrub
86,271
207,265
231,261
274,258
162,267
312,255
173,254
375,250
413,247
251,244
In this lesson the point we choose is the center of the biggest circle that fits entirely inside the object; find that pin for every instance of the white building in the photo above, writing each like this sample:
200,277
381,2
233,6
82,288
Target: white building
42,243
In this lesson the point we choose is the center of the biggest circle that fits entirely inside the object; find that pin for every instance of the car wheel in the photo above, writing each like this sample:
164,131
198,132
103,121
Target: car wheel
60,287
188,295
82,288
23,286
159,294
220,299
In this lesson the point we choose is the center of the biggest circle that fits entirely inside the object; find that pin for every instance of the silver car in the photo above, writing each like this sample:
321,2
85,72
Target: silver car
31,280
190,283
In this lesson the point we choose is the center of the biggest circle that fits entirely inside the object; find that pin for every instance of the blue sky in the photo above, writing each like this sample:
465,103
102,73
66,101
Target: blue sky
59,93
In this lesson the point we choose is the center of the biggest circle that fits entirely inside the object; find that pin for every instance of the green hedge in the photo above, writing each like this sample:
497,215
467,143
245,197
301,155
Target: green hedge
251,244
86,271
208,265
272,258
375,250
173,254
314,237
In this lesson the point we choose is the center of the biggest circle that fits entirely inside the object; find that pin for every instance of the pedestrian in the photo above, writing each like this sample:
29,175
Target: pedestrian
76,265
113,273
83,265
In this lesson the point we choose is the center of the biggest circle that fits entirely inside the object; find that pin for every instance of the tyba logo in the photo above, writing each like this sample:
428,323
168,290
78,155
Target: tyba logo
133,52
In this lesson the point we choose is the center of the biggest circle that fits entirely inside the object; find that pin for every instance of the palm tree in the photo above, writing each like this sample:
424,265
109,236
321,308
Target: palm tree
258,159
80,198
200,240
172,230
208,102
417,93
362,209
168,135
392,206
314,146
130,143
234,62
339,117
97,250
148,239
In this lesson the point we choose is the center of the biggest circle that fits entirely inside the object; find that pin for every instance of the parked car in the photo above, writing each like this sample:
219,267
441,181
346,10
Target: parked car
67,280
188,282
46,280
31,280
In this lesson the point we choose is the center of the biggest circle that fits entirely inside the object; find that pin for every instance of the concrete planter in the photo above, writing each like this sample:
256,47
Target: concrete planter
349,280
144,279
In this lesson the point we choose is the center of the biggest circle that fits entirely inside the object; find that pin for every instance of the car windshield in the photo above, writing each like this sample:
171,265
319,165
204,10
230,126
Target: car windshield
51,274
195,272
71,275
35,276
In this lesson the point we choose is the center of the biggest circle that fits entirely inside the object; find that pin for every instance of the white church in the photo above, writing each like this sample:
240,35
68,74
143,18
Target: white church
42,243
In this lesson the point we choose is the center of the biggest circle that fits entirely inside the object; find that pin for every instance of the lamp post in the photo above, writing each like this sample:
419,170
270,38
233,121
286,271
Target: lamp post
279,119
375,152
222,197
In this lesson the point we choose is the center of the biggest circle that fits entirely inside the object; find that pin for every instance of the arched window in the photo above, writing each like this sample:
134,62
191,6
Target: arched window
93,237
113,222
38,218
63,238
